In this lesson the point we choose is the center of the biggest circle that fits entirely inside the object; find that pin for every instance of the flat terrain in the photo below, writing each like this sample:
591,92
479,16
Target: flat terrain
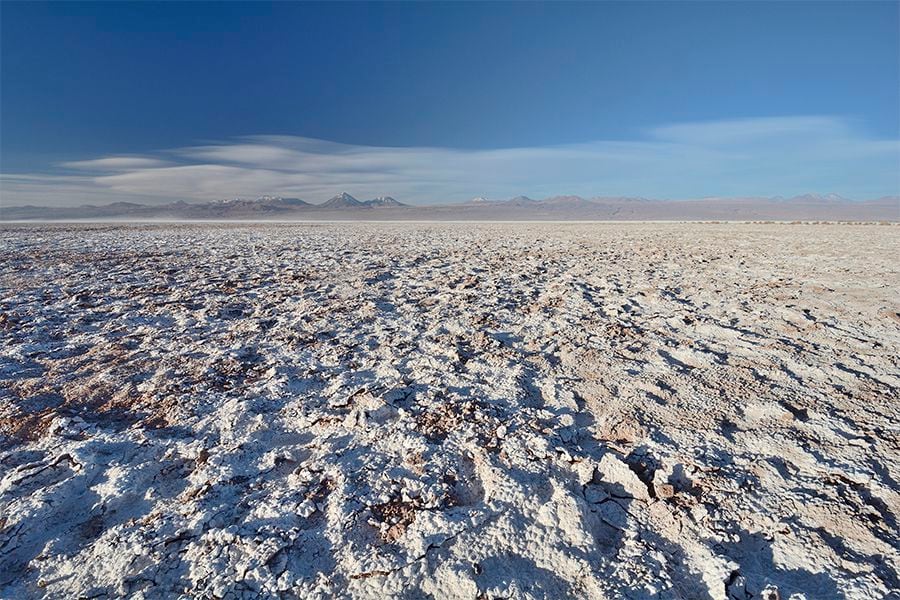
449,410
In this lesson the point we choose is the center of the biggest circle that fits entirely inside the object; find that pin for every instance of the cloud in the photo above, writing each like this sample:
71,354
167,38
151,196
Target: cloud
114,163
723,133
744,157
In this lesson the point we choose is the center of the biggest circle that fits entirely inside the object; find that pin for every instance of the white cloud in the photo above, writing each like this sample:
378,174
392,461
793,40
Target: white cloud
115,163
766,156
721,133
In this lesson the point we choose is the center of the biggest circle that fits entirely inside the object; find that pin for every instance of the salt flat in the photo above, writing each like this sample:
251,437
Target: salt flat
450,410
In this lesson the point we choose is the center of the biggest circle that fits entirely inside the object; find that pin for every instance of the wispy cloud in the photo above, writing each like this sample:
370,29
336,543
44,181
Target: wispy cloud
763,156
114,163
724,133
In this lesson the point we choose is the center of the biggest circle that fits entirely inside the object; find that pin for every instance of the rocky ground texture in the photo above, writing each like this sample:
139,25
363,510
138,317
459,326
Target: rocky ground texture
449,410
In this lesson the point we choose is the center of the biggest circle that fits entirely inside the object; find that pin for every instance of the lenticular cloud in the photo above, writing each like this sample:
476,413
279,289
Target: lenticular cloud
791,155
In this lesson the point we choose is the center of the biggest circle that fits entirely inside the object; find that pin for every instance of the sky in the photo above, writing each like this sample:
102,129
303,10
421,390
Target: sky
435,102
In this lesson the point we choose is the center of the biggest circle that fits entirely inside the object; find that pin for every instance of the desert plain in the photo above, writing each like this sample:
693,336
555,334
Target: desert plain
424,410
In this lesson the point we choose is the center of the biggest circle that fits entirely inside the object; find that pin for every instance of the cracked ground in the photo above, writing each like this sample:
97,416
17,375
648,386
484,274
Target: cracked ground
450,411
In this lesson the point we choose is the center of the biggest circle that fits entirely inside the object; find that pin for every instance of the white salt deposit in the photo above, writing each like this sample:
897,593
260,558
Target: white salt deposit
454,411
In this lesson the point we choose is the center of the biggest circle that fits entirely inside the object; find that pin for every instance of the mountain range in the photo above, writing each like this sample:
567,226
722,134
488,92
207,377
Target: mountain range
828,207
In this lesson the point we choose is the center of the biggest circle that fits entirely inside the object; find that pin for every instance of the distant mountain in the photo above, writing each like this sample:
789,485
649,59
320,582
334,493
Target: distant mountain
342,201
817,199
283,201
521,201
807,207
570,201
618,200
261,208
383,202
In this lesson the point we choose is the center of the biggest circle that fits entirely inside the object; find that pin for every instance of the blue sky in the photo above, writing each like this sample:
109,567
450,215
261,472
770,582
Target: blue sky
442,102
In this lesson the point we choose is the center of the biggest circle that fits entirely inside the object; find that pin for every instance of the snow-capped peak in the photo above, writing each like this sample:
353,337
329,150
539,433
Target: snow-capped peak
382,201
